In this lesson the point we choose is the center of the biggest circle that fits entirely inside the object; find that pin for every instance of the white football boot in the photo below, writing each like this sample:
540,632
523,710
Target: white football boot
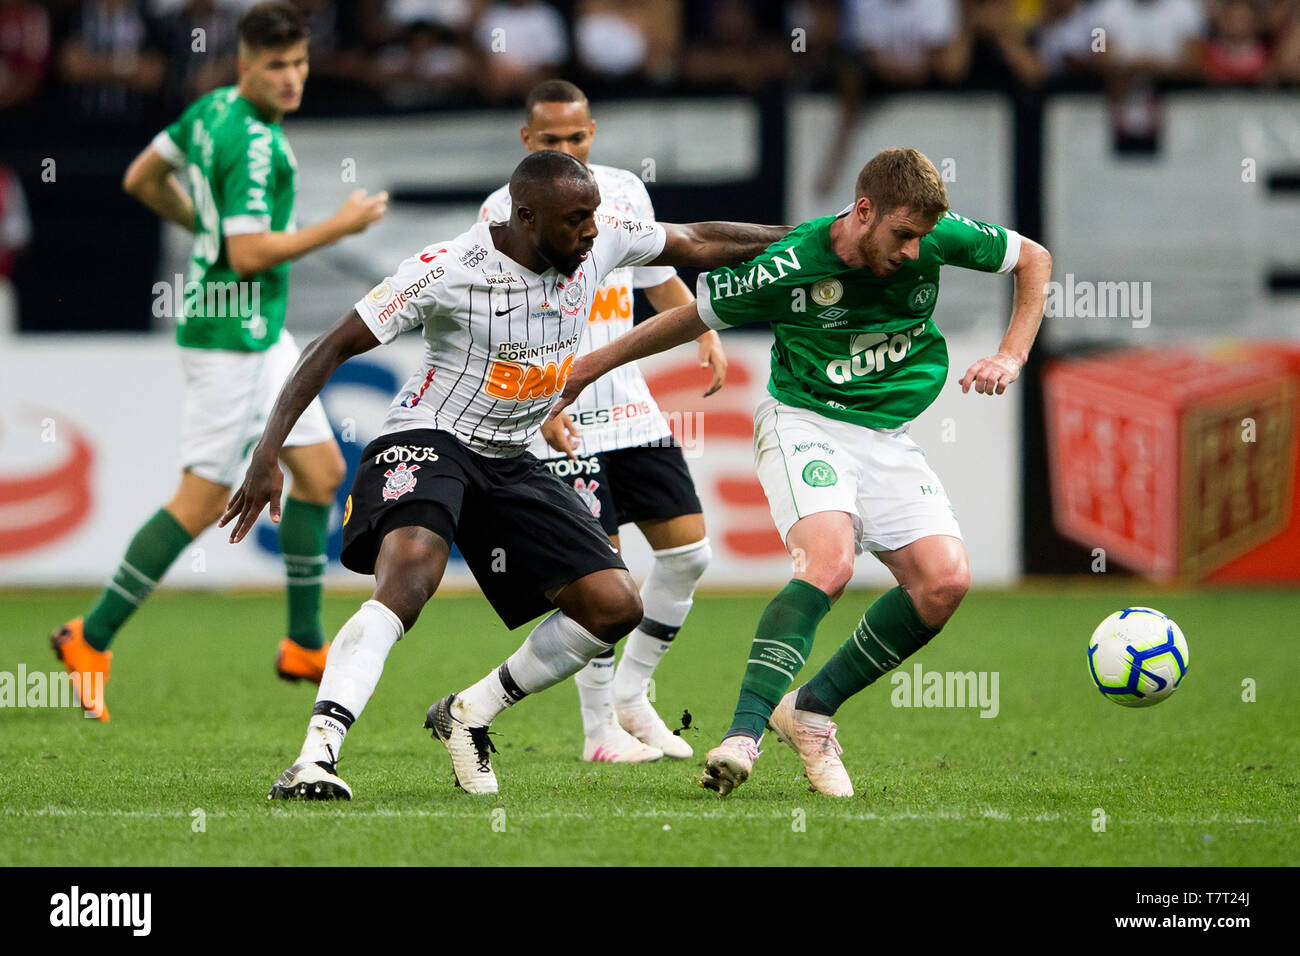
310,781
613,744
471,765
641,721
813,738
729,764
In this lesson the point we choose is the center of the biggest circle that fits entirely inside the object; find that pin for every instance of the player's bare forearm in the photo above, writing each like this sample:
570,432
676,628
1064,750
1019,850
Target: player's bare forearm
169,201
150,179
673,293
257,252
669,294
706,245
263,482
1032,272
654,335
323,355
992,375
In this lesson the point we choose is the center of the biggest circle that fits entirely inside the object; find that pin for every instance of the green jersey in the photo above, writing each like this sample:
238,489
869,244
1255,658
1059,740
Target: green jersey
850,344
241,176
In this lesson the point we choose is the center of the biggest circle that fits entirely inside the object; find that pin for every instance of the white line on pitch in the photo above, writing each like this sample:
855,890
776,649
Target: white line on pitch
340,812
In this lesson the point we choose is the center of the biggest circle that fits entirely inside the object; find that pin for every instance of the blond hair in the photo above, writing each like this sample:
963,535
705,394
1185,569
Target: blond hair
902,177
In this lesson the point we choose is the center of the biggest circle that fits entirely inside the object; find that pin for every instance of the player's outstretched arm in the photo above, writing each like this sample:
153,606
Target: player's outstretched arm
152,180
674,292
656,334
256,252
1032,270
706,245
264,482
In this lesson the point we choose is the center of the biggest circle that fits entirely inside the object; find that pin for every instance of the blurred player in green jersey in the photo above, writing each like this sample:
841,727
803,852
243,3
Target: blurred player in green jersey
857,356
235,354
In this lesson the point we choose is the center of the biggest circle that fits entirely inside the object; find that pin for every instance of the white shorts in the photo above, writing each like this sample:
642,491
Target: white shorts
808,463
228,397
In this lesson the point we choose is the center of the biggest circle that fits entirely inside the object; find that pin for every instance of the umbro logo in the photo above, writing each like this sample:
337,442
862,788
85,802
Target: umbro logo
779,655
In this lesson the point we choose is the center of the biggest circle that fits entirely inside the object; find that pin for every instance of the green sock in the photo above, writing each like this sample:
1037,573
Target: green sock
151,552
304,529
781,645
889,633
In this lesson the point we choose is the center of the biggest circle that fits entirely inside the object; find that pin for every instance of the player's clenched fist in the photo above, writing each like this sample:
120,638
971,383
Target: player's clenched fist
263,483
992,375
359,210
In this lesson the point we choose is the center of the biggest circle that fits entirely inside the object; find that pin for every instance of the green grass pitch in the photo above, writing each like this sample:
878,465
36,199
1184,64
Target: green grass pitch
201,724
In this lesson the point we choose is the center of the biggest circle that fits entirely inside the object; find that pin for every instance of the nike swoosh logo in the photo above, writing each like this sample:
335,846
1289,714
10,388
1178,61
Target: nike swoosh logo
506,311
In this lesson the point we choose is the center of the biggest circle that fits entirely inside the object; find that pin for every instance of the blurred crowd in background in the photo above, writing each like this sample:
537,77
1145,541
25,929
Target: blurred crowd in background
109,73
138,62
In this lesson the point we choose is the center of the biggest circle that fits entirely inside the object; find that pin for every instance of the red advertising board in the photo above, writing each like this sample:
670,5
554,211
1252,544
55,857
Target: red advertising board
1178,463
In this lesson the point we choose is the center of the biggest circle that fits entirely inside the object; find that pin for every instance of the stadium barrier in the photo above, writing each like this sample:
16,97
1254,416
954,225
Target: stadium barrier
84,462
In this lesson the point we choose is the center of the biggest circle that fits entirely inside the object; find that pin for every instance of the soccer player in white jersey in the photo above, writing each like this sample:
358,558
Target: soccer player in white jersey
620,455
503,306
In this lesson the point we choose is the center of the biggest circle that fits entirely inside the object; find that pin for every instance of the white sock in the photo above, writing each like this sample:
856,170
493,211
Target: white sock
596,692
667,598
352,670
557,648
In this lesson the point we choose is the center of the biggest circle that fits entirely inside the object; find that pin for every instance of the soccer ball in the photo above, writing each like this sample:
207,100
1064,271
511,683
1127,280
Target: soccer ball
1137,657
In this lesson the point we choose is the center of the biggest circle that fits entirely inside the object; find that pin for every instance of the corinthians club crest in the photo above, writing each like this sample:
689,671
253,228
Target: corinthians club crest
573,295
587,492
400,480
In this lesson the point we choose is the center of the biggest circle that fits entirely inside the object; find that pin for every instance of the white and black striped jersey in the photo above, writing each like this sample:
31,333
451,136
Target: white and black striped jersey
499,339
617,410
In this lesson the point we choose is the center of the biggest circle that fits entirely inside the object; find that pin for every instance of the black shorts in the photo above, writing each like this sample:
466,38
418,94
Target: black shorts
641,483
520,529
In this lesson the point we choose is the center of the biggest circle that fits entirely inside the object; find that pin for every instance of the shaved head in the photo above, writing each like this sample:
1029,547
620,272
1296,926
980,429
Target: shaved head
540,175
554,199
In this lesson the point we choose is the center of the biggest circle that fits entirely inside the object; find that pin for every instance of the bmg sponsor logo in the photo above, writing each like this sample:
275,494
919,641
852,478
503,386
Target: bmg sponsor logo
511,381
610,304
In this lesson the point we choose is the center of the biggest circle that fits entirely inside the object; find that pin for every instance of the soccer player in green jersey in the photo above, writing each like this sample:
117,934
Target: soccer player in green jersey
857,356
234,351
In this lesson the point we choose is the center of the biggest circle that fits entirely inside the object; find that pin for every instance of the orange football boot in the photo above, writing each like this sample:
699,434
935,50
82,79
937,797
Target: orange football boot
83,661
295,662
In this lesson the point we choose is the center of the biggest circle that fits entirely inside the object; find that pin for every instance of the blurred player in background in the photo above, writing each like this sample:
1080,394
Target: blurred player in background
503,307
857,356
622,458
234,351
